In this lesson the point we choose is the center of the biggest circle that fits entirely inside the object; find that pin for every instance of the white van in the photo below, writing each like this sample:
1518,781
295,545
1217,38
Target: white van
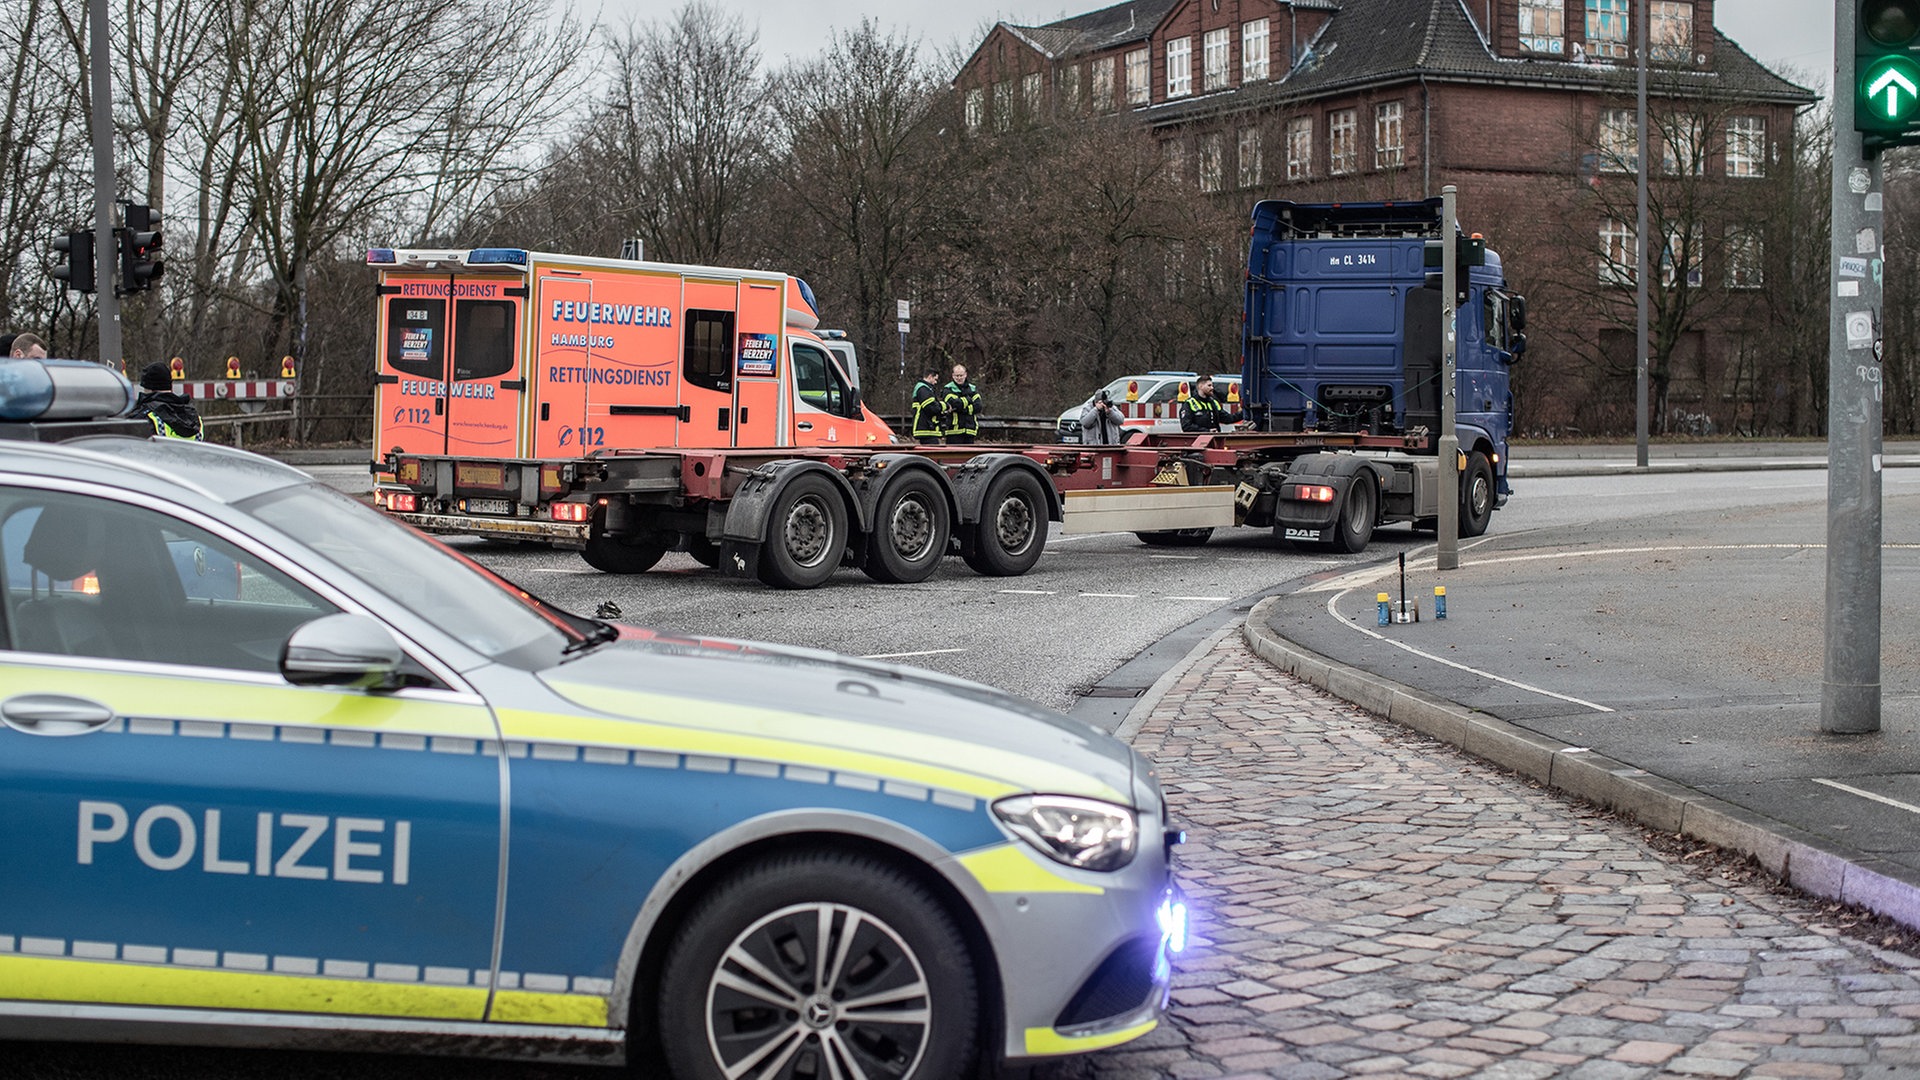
1155,405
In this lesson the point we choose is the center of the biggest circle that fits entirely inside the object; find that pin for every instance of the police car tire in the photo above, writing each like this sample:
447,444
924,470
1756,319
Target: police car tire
902,923
1476,495
912,511
612,556
1016,509
806,534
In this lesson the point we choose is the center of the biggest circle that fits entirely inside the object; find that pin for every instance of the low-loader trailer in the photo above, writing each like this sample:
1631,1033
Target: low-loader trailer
1338,439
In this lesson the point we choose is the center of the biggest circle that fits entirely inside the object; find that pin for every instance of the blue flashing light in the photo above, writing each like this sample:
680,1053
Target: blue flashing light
62,390
1173,924
381,256
512,256
806,293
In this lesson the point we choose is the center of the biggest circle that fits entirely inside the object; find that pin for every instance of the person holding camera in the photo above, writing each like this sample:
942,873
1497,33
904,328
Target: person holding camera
1100,421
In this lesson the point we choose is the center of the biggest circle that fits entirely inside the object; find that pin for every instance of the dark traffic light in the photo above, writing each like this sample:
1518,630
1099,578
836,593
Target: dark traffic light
1886,73
76,260
140,266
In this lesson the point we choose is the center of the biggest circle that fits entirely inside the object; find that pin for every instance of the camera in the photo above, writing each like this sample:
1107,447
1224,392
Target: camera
1103,397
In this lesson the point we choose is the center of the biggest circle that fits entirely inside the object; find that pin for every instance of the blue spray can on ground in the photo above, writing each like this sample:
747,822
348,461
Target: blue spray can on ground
1439,601
1384,600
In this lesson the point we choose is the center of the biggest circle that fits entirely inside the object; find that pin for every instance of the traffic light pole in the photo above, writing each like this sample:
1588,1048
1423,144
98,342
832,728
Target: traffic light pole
1447,554
104,249
1850,688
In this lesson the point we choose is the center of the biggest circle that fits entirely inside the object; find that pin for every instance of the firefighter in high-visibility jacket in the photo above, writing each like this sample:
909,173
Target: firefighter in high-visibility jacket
929,408
171,414
1201,411
963,407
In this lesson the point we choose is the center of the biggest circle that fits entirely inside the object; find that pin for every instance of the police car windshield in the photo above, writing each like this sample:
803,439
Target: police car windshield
482,610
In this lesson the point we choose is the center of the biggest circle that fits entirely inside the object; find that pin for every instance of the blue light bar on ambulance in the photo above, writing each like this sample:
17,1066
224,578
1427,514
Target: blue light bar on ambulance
514,256
806,293
380,256
62,390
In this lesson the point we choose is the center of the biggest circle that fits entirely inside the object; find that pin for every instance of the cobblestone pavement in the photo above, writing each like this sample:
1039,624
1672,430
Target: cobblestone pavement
1370,902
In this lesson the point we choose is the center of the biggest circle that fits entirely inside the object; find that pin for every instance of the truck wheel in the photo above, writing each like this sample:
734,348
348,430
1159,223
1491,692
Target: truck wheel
1175,537
615,555
1357,514
807,534
1012,530
911,527
819,965
1476,495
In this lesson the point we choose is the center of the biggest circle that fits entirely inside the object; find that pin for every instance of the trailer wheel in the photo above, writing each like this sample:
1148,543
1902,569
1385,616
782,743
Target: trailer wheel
807,534
1357,514
617,555
1012,530
1476,495
911,528
1175,537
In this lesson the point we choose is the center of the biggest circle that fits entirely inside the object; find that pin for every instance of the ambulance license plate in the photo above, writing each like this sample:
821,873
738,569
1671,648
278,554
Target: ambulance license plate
489,506
1303,534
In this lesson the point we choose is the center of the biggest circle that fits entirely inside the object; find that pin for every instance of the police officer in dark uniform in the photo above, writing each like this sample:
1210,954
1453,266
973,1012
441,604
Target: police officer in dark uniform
171,414
1203,412
929,409
963,407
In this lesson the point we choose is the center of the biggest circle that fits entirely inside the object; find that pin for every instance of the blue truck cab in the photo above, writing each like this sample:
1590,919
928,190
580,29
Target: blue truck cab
1343,328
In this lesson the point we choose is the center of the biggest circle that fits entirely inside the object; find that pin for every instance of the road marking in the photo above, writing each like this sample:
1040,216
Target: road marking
1850,789
1028,592
1111,595
1333,610
1208,599
904,655
1173,556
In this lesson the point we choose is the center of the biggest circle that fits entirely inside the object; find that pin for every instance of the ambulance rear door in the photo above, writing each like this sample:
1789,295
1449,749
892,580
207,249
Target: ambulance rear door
449,378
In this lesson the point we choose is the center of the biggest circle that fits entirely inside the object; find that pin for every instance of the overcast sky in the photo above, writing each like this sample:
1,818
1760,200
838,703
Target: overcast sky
1795,33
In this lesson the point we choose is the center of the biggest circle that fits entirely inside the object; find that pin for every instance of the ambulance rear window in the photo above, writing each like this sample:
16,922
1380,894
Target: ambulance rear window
709,355
417,336
483,338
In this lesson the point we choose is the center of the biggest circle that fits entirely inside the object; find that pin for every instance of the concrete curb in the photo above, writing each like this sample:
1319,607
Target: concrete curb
1810,863
1143,706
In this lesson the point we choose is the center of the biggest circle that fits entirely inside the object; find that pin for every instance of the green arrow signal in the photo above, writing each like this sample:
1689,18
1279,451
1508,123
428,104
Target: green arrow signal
1892,78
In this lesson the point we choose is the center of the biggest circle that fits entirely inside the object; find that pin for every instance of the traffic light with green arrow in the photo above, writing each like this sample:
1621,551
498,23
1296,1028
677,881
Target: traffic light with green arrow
1886,92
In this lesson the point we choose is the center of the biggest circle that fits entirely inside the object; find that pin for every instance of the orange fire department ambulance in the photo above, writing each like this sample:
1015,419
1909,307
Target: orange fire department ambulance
508,353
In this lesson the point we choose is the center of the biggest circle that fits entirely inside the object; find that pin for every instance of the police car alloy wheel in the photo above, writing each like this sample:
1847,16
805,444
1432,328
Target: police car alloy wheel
826,964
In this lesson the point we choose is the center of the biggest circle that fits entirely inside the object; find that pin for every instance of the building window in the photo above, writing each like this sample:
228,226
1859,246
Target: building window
976,109
1179,67
1249,157
1619,141
1139,77
1543,26
1747,146
1744,259
1618,255
1299,148
1068,88
1253,50
1212,163
1343,155
1683,146
1607,29
1217,49
1003,106
1677,250
1031,89
1389,144
1176,161
1670,31
1102,80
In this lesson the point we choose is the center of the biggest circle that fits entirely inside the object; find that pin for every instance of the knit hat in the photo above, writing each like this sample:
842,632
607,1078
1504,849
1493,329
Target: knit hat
155,377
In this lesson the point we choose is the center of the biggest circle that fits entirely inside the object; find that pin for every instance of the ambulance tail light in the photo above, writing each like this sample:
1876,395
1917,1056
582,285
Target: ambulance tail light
577,513
503,256
381,257
1319,493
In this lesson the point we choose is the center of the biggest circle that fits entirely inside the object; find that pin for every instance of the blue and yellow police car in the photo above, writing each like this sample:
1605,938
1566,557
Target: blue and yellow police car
276,770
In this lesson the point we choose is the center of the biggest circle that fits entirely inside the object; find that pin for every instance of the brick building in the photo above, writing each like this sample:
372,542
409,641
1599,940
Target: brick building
1527,106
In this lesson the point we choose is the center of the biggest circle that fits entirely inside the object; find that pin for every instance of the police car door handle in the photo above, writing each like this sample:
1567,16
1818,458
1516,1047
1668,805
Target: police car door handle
54,714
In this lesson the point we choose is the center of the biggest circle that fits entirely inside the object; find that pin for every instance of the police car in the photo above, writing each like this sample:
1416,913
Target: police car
357,791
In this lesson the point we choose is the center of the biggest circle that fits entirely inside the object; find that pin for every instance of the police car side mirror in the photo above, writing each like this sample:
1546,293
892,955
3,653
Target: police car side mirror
341,650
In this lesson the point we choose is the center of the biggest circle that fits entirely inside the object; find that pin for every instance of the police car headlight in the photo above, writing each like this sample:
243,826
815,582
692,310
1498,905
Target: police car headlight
1083,833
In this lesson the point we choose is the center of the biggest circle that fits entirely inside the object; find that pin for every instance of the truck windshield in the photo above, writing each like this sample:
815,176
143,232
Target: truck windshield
464,600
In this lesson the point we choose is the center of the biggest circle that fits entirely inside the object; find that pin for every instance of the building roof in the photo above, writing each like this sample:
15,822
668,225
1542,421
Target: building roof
1097,30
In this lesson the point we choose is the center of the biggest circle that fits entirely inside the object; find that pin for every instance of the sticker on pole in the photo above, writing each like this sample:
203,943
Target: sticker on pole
1859,330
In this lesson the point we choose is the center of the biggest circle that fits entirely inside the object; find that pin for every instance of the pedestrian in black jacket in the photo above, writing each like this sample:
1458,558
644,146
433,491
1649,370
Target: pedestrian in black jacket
172,414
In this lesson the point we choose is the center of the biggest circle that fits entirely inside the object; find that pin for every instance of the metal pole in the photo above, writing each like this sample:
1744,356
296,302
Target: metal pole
1850,690
1448,555
103,246
1640,260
